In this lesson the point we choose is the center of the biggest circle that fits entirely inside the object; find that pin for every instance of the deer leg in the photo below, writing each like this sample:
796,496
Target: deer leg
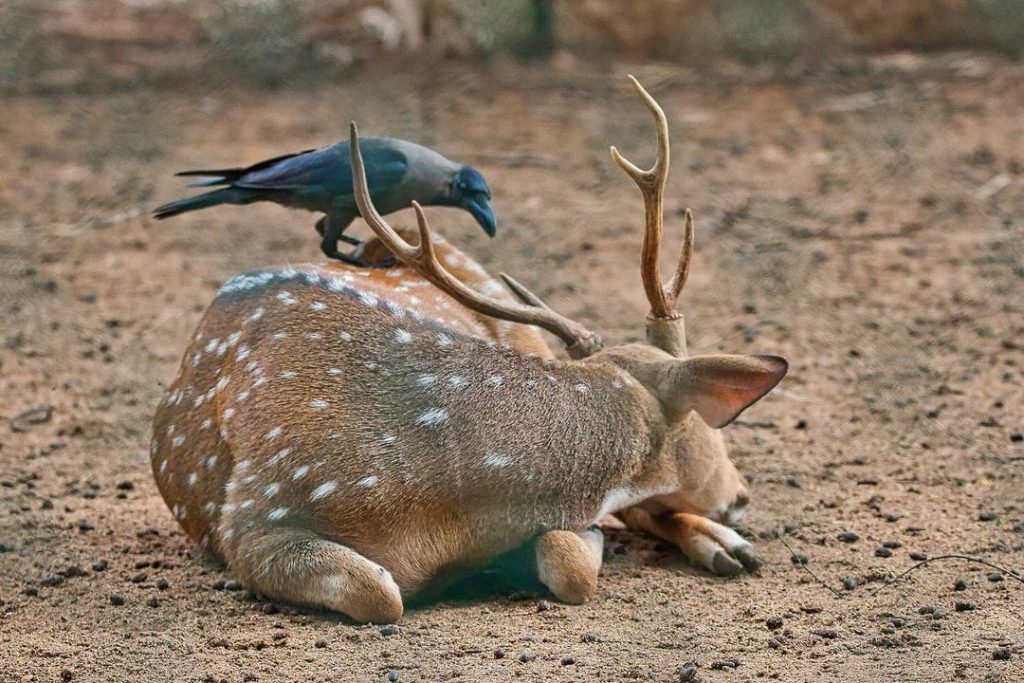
296,565
709,544
568,563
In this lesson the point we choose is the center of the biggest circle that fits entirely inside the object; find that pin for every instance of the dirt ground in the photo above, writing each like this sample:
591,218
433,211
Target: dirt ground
867,223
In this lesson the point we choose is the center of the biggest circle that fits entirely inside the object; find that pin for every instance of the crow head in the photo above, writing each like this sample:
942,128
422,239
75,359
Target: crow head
469,191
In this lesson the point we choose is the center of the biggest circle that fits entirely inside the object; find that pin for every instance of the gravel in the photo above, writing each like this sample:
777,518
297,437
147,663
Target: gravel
116,599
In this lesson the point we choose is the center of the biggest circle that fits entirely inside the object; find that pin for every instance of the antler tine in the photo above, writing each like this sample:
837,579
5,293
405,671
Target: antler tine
580,342
520,290
652,186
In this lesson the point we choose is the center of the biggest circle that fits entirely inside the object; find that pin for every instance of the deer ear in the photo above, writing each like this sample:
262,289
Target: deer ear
720,387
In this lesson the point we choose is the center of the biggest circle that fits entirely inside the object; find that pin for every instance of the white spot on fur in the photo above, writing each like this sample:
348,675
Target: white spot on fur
285,297
211,462
211,345
323,490
276,514
334,372
344,336
313,336
243,396
368,298
229,413
300,472
210,507
256,315
271,489
497,460
432,417
279,456
207,423
245,504
318,404
582,388
287,374
494,381
178,441
274,433
367,482
228,534
370,365
278,336
458,382
426,380
388,439
395,309
443,340
259,382
403,336
192,479
318,306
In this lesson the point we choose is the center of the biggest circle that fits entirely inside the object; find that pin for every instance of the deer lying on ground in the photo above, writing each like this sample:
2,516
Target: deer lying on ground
341,443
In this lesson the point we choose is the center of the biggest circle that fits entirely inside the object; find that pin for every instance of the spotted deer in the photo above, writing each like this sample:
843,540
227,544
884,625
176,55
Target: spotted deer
342,441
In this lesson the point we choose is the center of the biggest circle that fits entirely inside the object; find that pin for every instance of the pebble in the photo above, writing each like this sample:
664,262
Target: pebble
927,609
1001,654
125,486
774,623
543,606
1017,437
964,606
392,677
250,676
891,545
800,424
52,580
320,643
987,516
829,633
389,630
960,585
793,482
99,565
898,622
883,552
688,672
163,584
269,608
31,591
848,537
799,558
774,643
995,578
849,583
116,599
84,525
568,660
720,664
232,585
589,637
527,656
918,556
153,601
139,578
218,585
499,653
66,675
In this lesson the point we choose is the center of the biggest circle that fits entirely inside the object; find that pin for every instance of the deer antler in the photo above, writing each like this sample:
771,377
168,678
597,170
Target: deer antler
579,341
662,297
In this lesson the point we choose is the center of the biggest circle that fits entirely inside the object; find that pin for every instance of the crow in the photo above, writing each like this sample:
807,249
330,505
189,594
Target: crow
397,172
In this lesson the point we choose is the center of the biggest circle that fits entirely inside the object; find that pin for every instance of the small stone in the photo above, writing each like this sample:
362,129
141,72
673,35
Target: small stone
66,675
31,591
527,656
918,556
116,599
269,608
249,676
1001,654
568,660
774,643
589,637
800,424
849,583
153,601
898,622
891,545
52,580
125,486
688,672
389,630
163,584
232,585
987,516
392,677
84,525
883,552
1017,437
927,609
799,558
774,623
543,606
793,482
960,585
721,664
829,633
139,578
218,585
964,606
499,653
994,577
320,643
99,565
848,537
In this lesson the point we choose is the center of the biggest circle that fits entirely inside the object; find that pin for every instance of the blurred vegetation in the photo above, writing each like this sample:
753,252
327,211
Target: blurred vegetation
55,44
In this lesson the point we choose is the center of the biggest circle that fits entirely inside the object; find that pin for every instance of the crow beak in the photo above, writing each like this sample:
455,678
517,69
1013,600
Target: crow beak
478,205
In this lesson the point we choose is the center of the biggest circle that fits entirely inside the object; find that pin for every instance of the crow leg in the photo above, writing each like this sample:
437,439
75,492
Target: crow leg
332,230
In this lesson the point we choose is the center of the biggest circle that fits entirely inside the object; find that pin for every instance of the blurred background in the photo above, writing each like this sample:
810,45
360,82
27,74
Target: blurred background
90,44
